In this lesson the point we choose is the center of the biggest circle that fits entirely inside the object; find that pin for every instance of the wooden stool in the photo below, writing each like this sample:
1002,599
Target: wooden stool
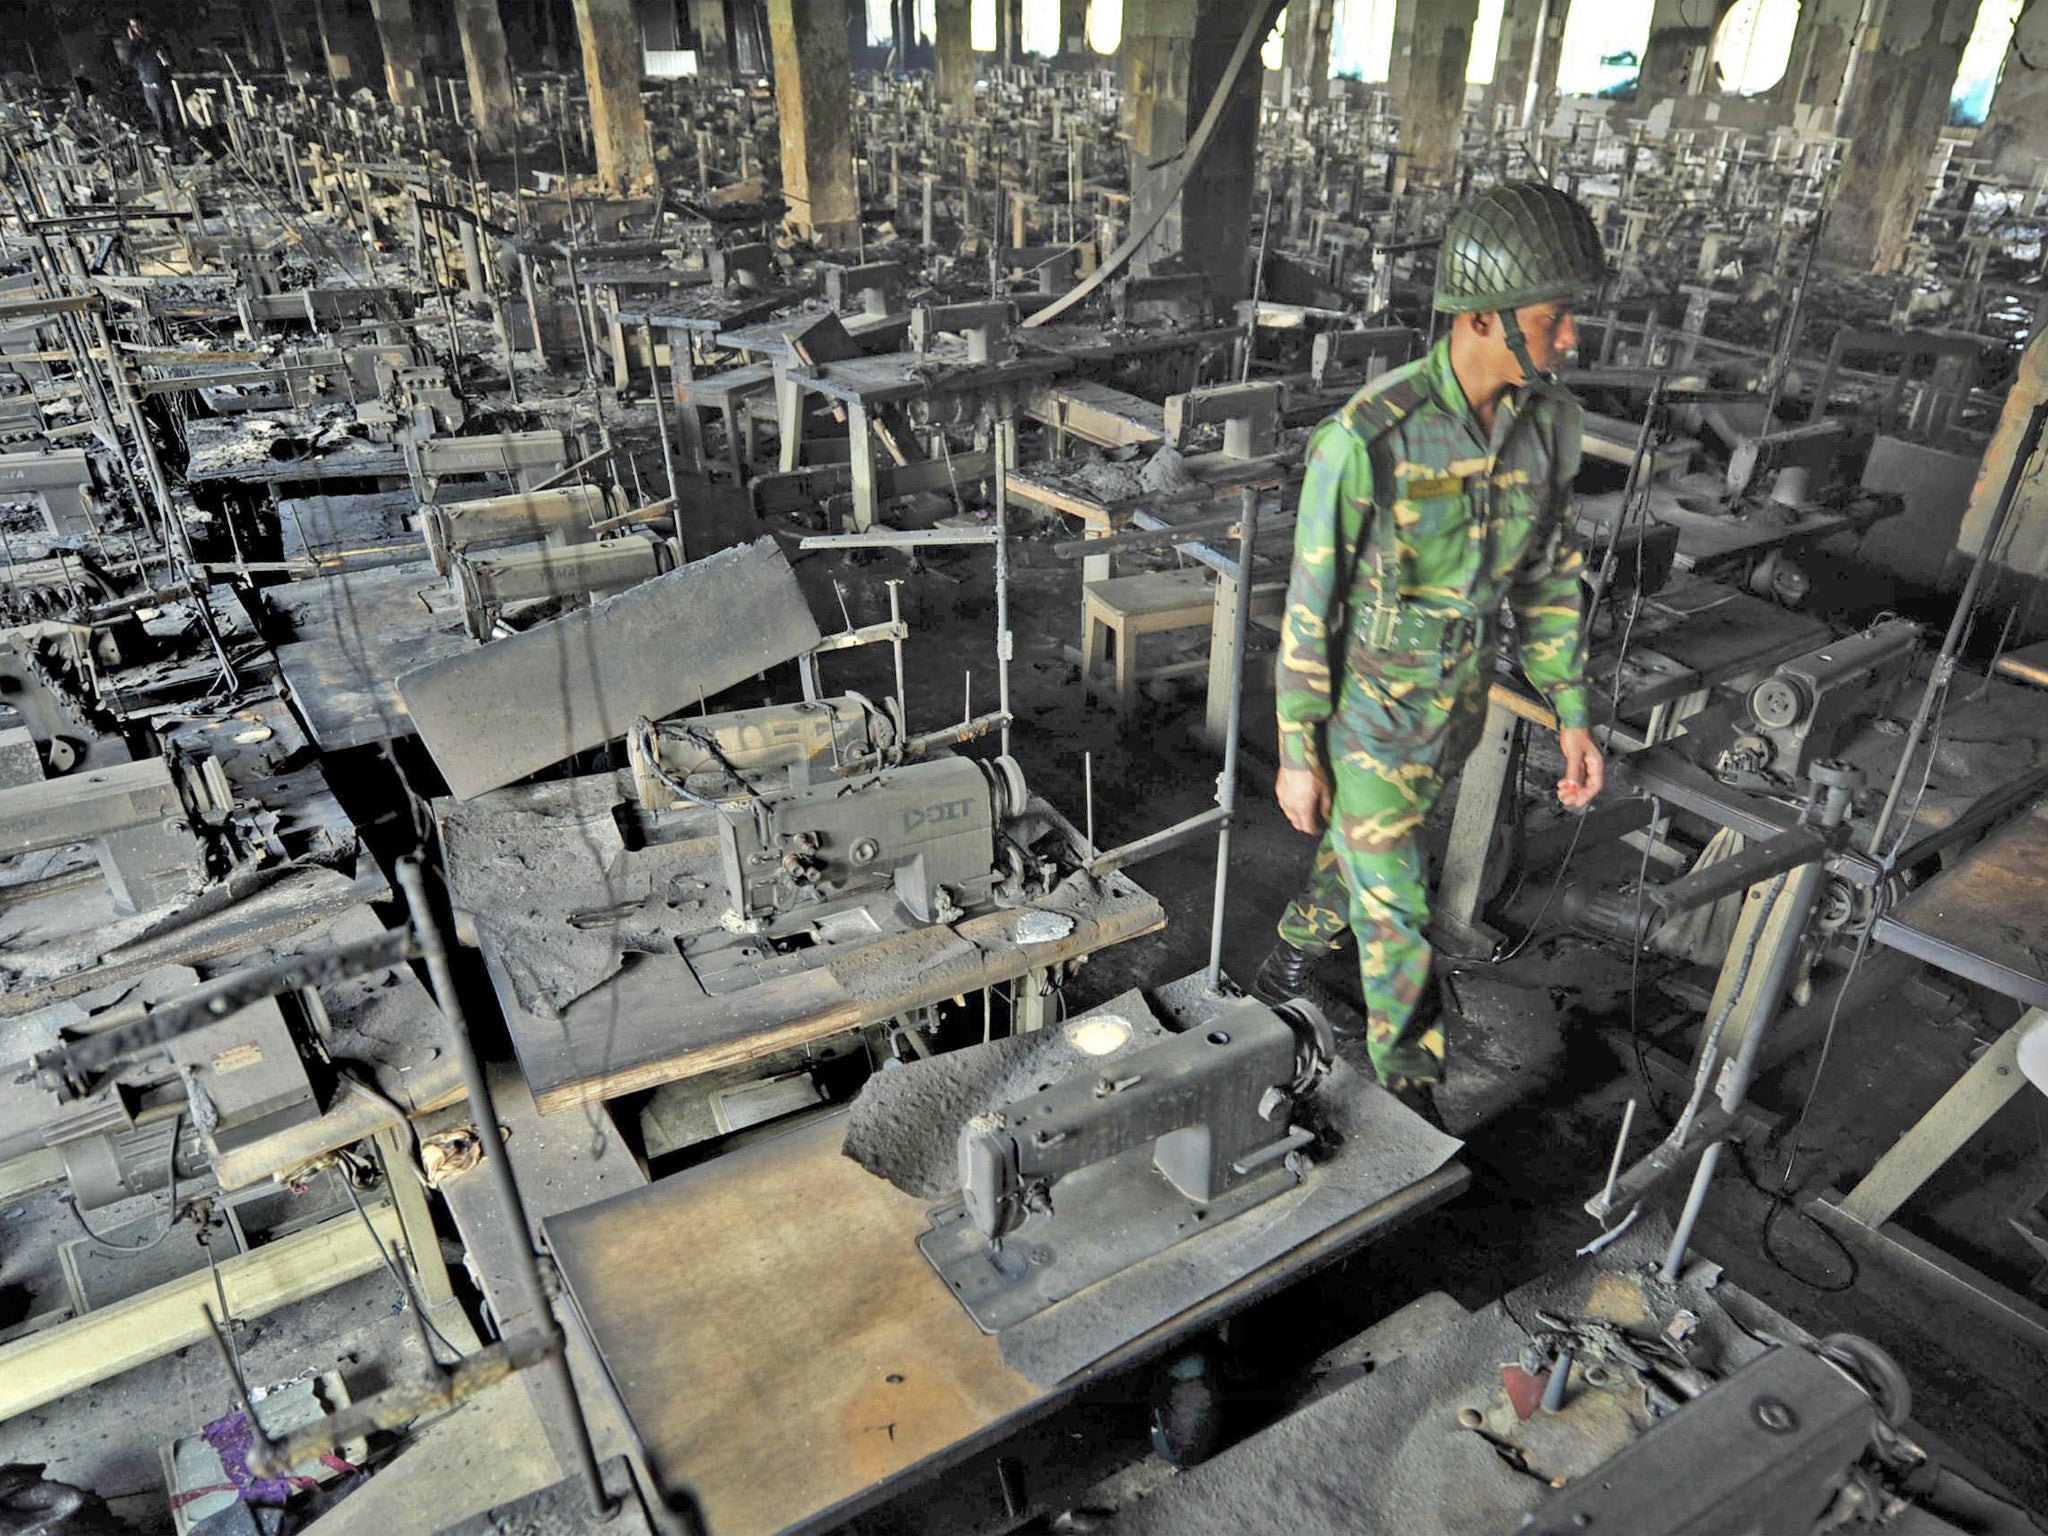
1126,607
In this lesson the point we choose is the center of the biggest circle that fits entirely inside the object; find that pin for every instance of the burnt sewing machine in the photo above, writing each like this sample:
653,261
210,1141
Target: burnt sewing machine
486,584
1086,1178
559,517
693,760
1796,717
928,831
852,854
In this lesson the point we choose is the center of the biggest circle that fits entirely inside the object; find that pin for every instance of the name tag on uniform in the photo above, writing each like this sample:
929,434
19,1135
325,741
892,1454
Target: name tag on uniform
1423,487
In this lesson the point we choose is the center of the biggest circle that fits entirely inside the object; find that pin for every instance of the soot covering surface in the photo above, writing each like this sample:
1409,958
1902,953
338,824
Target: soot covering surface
905,1124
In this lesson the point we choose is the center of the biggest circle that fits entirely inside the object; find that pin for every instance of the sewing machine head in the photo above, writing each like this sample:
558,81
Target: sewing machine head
926,830
1800,713
1092,1175
1215,1104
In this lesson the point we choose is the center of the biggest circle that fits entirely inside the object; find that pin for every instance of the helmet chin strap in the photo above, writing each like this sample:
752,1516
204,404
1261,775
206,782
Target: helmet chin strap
1534,380
1518,344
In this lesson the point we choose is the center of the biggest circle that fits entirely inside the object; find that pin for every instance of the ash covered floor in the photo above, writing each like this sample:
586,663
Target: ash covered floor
1538,1076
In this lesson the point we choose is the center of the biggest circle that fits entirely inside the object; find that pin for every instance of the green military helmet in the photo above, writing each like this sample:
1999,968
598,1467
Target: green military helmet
1522,243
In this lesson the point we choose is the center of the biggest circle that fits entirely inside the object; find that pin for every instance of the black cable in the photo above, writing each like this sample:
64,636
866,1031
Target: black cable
405,1291
128,1250
1781,1202
1613,709
1635,958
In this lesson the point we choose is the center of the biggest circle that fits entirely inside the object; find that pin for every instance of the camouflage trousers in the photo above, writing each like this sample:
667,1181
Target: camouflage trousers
1403,724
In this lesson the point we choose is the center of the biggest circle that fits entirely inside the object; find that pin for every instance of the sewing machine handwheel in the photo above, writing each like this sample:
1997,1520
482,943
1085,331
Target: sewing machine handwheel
1315,1043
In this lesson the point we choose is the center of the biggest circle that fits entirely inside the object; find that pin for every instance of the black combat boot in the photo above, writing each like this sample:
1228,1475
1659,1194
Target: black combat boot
1289,973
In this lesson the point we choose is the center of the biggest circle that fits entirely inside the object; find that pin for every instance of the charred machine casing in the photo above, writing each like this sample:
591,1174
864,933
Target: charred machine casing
808,738
1091,1175
926,830
1800,713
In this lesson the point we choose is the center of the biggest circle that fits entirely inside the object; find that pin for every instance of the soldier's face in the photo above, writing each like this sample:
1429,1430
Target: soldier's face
1550,332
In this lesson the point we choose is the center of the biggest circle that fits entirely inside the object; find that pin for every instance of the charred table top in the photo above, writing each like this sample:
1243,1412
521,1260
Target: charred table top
718,1362
583,935
706,311
247,450
340,640
1986,915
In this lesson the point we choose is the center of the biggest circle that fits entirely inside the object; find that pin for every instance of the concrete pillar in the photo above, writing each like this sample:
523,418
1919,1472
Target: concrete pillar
1305,56
954,47
1678,30
714,48
1074,32
1906,70
1524,38
1811,92
491,101
1434,105
1544,92
2015,133
1173,64
814,107
400,39
298,40
1403,51
610,30
355,59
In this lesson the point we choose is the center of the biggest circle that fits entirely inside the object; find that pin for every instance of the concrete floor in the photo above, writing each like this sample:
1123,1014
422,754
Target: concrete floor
1538,1079
1537,1083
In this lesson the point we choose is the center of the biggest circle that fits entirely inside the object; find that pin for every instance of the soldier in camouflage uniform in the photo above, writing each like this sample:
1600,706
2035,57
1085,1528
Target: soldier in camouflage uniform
1439,495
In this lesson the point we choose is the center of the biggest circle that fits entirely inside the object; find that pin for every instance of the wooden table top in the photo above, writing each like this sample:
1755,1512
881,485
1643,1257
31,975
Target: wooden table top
531,863
785,1354
1986,915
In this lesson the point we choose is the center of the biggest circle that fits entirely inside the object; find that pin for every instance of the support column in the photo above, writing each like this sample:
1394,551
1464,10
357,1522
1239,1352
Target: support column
1402,51
1906,70
2016,131
297,38
1074,31
1810,95
1434,106
954,47
400,39
1678,30
1524,37
1173,64
1305,53
610,30
491,101
714,47
349,39
814,107
1537,104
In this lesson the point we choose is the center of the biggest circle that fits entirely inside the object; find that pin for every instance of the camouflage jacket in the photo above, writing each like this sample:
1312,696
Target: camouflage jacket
1478,526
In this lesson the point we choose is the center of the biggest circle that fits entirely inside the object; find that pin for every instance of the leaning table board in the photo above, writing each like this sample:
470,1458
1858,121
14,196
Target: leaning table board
349,635
1986,915
788,1246
583,938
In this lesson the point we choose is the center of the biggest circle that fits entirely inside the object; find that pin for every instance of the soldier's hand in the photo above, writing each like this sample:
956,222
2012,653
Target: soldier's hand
1304,796
1585,770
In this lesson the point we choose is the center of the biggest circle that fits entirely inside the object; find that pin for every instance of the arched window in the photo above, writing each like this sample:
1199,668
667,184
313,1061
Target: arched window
1362,39
881,23
1753,45
1485,43
927,21
1105,25
981,26
1601,52
1273,52
1040,33
1969,99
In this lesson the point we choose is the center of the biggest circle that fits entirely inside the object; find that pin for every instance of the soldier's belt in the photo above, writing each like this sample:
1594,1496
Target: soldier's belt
1402,629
